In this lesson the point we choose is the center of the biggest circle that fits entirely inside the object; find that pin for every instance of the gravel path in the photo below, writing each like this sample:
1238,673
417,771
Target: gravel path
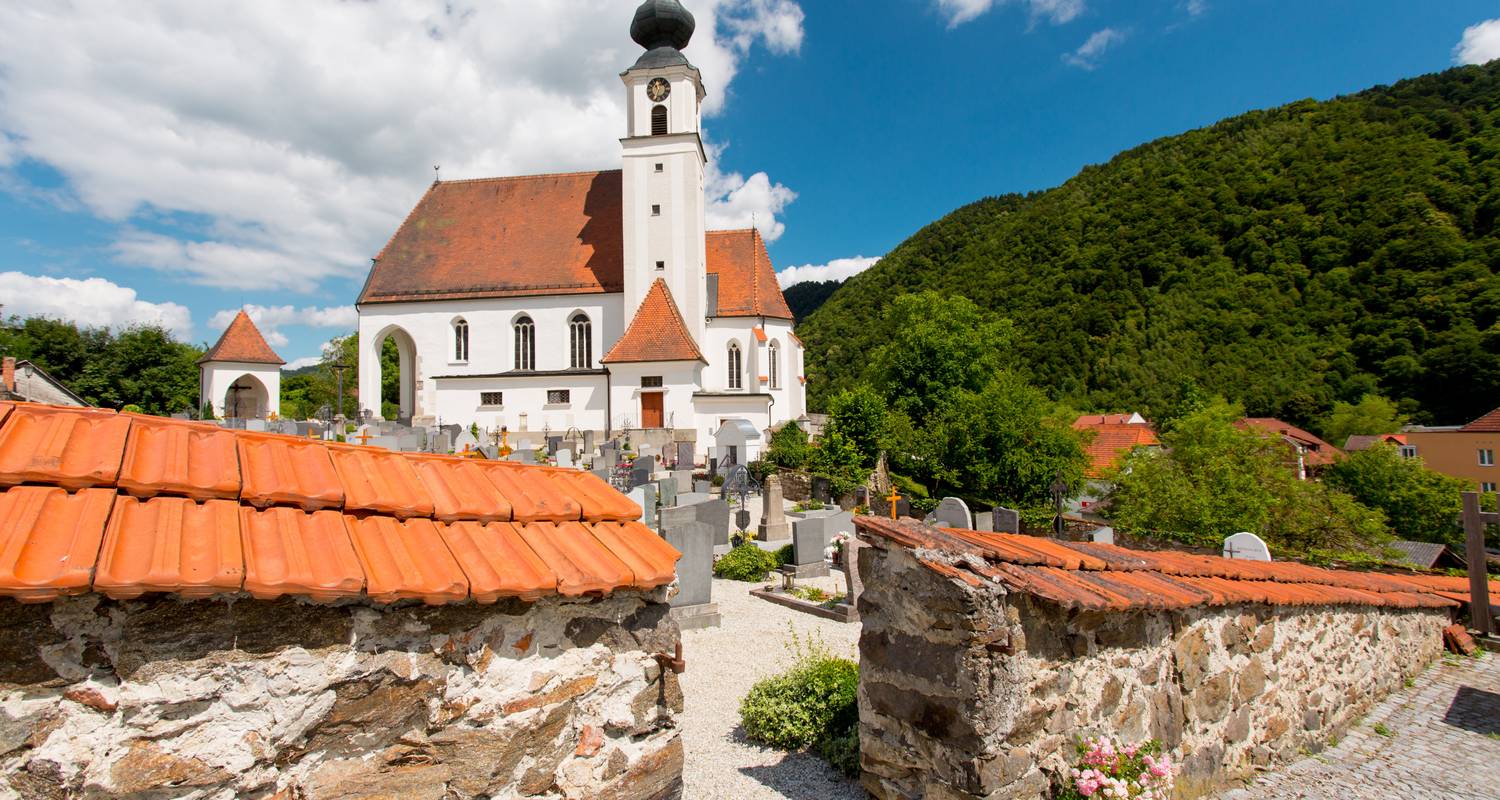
754,642
1443,743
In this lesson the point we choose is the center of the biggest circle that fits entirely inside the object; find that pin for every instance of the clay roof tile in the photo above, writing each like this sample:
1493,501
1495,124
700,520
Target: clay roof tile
170,544
67,447
49,540
241,342
656,332
747,281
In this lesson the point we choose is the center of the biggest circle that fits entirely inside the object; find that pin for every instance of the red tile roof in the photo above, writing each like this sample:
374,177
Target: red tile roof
1489,423
1101,577
747,281
1318,452
294,517
1112,441
656,333
242,342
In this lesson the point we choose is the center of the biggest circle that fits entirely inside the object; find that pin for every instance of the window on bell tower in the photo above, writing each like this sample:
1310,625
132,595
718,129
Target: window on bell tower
659,121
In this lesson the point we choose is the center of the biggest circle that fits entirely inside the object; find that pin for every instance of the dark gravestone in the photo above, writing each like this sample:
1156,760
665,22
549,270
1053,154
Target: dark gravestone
881,507
666,492
714,513
685,455
647,463
693,607
822,489
809,540
553,443
639,477
1007,520
602,473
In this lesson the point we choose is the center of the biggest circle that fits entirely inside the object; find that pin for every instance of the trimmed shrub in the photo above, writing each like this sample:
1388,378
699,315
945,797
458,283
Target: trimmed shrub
785,555
812,705
746,562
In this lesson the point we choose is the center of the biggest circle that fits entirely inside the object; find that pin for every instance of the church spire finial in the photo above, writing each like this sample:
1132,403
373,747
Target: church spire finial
664,28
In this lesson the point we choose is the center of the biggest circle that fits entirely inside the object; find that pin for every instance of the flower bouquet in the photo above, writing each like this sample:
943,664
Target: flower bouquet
1107,769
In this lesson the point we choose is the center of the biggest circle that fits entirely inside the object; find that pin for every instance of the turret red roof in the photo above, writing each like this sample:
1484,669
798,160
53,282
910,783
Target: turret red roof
656,333
242,342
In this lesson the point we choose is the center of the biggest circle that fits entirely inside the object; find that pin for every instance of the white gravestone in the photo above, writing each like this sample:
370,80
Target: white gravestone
1247,546
465,443
565,458
951,512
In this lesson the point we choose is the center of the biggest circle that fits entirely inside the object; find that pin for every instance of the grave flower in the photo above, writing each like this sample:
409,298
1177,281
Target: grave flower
1107,769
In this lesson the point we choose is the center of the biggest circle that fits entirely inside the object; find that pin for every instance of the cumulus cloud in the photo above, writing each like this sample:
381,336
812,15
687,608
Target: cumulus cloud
275,145
1195,8
1055,11
735,201
88,301
1480,43
1087,55
836,270
299,363
271,319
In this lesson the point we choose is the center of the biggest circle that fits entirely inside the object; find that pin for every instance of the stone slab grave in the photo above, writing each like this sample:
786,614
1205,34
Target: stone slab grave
384,442
465,442
684,480
809,539
527,456
666,492
984,521
258,425
854,585
703,487
693,607
710,511
645,497
287,427
685,455
951,512
773,525
1104,535
881,507
440,442
1007,520
411,442
602,473
564,457
1247,546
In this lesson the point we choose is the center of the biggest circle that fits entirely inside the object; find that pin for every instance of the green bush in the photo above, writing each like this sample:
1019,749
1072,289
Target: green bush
746,562
785,555
813,705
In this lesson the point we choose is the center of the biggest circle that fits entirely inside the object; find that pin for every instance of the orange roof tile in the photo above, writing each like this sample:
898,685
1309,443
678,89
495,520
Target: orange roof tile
71,448
49,540
656,332
1102,577
747,281
514,530
242,342
291,552
1111,442
175,457
170,544
1489,423
506,237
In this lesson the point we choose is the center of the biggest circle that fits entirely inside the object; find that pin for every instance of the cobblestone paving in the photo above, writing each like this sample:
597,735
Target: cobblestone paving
1444,743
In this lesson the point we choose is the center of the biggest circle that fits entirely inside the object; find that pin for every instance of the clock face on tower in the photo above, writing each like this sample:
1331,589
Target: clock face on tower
658,89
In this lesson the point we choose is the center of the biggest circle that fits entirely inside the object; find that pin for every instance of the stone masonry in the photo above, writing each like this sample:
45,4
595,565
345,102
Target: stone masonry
967,691
161,697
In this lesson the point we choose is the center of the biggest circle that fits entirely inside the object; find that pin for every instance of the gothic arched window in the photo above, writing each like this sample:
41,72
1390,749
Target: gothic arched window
659,121
773,353
461,340
581,336
525,343
736,367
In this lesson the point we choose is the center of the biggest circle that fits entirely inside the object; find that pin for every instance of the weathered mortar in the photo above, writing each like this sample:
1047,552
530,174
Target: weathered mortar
967,691
216,699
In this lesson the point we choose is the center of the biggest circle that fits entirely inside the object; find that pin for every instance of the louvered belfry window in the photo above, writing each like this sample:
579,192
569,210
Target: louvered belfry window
659,121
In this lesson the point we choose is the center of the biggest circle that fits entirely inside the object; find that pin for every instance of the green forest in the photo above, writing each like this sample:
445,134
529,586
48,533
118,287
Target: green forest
144,368
1288,260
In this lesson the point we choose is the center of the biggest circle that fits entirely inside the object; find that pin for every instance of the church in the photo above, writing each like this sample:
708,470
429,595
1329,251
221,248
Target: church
589,300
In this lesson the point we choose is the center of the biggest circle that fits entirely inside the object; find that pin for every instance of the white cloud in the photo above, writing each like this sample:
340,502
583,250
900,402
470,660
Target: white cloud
1057,12
735,201
836,270
1195,8
88,301
1087,55
1480,43
275,145
299,363
270,319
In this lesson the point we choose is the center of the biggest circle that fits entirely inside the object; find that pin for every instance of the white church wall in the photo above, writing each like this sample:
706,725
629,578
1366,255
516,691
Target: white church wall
524,406
215,378
430,325
790,398
679,380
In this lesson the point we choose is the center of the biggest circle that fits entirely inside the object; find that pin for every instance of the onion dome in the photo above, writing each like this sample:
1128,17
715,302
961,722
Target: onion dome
664,28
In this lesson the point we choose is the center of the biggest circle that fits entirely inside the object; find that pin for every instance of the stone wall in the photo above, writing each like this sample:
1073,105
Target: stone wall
967,691
217,699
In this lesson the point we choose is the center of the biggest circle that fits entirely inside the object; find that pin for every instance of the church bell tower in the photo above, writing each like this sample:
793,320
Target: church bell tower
664,164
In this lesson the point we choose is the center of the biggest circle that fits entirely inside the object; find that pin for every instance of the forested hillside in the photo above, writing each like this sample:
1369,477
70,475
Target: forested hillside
1287,259
808,296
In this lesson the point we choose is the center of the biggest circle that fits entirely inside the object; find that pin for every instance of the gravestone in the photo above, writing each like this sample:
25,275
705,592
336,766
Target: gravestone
287,427
951,512
684,480
1246,546
553,444
608,457
703,487
1007,520
693,607
645,497
465,442
492,452
442,442
853,584
588,442
822,489
602,474
666,492
645,462
1104,535
984,521
383,442
527,456
881,507
693,498
714,514
773,526
412,442
564,458
685,455
639,476
255,425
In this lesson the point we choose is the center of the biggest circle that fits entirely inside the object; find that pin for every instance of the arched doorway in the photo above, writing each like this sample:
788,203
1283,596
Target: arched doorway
246,398
395,362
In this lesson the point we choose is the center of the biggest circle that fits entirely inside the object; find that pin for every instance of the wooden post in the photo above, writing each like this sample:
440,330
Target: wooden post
1479,585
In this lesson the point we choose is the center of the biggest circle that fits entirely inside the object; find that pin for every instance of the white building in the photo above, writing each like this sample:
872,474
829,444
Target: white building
592,300
241,375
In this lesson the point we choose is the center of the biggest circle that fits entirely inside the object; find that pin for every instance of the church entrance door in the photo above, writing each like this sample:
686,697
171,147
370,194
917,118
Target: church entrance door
651,410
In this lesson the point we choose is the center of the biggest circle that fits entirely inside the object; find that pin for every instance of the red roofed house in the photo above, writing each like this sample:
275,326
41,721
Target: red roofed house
1312,453
1115,436
590,300
241,375
1467,451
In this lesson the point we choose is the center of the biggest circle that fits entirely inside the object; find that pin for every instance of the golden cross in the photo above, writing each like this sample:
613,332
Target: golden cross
469,451
364,437
894,498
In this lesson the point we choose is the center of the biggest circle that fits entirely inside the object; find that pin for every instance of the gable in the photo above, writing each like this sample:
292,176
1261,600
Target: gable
747,281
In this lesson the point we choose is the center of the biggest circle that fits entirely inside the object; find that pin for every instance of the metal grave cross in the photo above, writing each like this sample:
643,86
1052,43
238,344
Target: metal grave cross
364,436
894,499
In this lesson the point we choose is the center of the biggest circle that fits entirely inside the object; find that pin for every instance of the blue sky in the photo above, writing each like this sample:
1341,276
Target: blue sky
178,163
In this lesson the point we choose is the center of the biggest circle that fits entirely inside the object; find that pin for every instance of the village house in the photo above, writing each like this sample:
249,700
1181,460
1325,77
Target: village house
1309,454
23,380
1466,451
589,300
